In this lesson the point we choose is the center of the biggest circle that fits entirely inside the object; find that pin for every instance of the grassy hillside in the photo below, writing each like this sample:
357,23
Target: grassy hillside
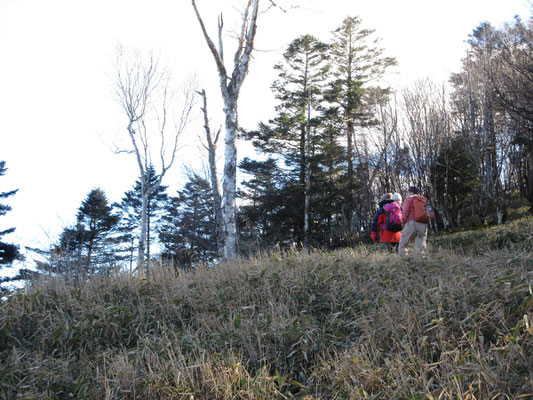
517,235
351,324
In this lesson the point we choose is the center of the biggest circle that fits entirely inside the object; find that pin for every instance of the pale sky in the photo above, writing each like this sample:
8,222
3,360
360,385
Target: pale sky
58,117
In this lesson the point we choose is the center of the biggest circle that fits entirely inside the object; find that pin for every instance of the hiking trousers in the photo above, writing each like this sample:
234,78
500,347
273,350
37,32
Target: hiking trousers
416,231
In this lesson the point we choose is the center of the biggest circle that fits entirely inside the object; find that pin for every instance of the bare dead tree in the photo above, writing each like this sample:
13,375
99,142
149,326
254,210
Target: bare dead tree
388,125
213,175
154,123
230,86
372,148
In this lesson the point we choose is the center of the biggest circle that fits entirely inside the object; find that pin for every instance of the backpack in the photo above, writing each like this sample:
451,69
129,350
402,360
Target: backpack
393,223
422,211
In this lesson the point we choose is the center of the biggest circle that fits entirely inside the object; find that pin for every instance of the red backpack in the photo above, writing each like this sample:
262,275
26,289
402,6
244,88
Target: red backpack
422,211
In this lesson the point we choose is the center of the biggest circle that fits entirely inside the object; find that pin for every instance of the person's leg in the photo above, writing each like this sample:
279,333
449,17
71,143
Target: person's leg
421,237
408,233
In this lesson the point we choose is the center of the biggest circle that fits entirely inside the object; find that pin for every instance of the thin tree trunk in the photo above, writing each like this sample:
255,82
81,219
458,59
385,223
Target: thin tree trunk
148,219
229,186
307,195
230,88
142,237
529,179
215,187
136,83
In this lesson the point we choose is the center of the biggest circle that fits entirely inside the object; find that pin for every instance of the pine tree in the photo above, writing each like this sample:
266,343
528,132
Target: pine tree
357,63
88,247
8,252
265,214
188,227
130,211
292,133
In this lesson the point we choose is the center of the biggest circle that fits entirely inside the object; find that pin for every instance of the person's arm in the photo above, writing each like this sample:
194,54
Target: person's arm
407,209
375,221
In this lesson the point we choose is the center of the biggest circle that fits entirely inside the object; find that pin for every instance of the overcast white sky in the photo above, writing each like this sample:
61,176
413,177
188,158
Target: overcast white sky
57,113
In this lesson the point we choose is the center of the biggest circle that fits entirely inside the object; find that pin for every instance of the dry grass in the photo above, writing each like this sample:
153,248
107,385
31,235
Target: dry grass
352,324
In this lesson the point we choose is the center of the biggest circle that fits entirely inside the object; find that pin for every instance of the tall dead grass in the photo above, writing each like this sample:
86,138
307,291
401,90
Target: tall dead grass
352,324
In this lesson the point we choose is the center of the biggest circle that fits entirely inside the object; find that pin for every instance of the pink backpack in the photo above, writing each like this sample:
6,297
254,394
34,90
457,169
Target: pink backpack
394,217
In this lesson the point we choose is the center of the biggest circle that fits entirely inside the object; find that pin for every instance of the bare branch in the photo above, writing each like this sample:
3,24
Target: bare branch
218,59
217,135
274,4
142,89
250,27
220,44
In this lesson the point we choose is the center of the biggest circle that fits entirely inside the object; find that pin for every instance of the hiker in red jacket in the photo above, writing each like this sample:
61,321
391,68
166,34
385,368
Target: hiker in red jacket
412,230
389,239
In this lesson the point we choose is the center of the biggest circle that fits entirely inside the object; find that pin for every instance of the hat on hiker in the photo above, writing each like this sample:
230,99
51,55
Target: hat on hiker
397,197
386,196
413,189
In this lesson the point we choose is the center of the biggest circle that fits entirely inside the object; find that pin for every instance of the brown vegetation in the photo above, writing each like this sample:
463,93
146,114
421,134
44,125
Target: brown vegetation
349,324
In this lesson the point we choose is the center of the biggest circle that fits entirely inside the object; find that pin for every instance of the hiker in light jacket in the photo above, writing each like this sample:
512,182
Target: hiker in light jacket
389,240
412,230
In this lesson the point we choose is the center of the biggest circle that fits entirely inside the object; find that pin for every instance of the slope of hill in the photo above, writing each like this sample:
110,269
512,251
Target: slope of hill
353,323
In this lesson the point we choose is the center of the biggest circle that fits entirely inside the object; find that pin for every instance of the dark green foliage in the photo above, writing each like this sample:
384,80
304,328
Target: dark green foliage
299,90
468,150
302,76
8,252
269,210
357,64
187,230
491,102
87,248
130,209
323,89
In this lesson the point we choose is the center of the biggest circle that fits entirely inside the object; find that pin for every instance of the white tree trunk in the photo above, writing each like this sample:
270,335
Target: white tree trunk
230,183
230,87
213,174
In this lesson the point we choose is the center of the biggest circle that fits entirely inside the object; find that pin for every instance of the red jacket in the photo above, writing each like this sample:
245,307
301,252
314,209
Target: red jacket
385,235
378,225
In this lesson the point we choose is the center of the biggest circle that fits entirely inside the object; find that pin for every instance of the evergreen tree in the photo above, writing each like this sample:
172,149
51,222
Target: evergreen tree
357,63
8,252
88,247
265,213
188,226
292,134
130,211
329,186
